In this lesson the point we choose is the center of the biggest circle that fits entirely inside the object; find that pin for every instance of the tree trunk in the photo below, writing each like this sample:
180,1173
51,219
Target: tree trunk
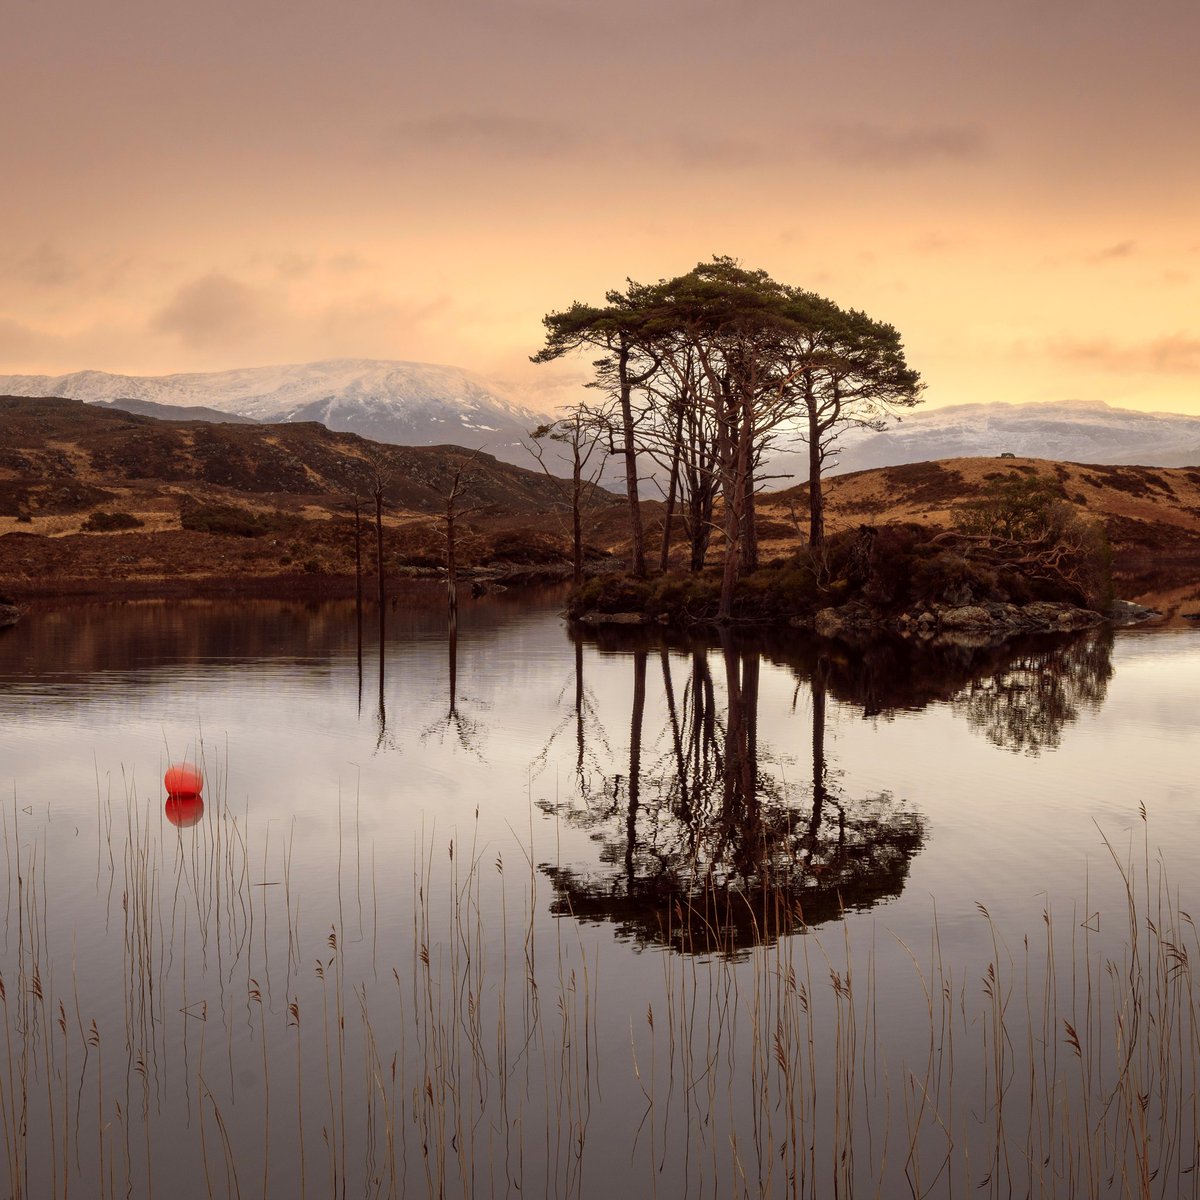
816,497
451,563
672,491
637,537
577,520
749,555
734,488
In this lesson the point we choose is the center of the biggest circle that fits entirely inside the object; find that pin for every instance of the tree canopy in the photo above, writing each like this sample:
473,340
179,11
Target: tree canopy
708,371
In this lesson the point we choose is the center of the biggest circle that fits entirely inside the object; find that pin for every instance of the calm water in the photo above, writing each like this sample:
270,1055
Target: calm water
545,914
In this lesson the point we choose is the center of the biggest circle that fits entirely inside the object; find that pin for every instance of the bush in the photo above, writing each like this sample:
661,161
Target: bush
224,519
1026,527
684,597
110,522
528,547
611,594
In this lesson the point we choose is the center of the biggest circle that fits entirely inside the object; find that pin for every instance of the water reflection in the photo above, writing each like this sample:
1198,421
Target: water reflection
1025,705
184,810
463,729
707,847
704,844
1020,695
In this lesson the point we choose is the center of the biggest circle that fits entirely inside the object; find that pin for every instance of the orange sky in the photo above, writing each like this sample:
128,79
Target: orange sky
1014,184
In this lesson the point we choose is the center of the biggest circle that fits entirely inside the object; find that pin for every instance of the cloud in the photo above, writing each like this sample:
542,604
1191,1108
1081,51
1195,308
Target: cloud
212,311
31,349
714,150
373,325
20,343
489,134
45,266
347,261
876,146
1118,250
935,243
492,135
1173,355
294,266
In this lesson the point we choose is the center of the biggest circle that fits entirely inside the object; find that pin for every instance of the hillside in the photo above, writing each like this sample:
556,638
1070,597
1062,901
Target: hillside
412,404
247,506
283,494
175,412
421,404
1151,515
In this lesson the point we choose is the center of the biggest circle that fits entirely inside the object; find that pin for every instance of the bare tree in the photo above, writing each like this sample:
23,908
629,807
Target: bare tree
460,482
582,432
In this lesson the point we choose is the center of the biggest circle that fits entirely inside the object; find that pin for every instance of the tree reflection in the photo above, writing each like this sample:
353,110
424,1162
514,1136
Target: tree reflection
1021,694
703,845
1050,678
464,729
1025,705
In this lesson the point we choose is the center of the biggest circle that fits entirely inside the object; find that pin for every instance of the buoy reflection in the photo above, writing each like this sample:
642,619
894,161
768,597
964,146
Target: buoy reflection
184,810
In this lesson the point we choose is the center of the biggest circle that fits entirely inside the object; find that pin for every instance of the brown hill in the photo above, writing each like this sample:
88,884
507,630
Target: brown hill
1151,515
97,494
96,499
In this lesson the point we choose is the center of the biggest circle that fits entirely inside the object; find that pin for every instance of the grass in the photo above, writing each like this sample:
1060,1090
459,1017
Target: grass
254,1035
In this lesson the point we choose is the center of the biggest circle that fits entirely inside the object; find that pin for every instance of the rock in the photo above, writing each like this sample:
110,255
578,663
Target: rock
10,614
1044,614
1125,612
622,618
828,623
967,616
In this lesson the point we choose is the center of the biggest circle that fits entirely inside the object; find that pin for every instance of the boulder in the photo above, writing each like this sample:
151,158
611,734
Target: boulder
1125,612
828,623
967,616
620,618
1044,614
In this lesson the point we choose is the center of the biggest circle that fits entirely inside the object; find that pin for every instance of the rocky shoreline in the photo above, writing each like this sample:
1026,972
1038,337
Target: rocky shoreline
988,621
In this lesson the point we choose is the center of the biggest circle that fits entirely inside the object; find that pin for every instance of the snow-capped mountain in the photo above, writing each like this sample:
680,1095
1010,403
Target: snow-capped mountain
414,404
419,404
1072,431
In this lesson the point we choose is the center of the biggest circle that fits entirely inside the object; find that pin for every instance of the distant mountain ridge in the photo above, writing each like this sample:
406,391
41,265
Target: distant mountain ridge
174,412
1069,431
405,403
422,404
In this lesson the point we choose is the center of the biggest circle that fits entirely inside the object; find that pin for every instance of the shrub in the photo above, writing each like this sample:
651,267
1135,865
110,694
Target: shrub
528,547
224,519
1025,527
110,522
611,594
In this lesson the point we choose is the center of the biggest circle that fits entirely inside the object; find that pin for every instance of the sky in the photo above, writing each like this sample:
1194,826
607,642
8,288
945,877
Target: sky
1013,184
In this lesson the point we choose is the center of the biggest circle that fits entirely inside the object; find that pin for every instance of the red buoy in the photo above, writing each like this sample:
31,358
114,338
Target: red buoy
182,779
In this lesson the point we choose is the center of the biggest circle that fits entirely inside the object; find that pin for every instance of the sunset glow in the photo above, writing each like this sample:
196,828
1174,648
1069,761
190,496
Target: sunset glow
1014,186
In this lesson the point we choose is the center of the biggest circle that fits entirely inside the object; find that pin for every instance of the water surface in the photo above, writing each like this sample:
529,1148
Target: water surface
553,912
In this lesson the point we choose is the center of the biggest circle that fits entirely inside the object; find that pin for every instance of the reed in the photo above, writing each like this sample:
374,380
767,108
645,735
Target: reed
471,1047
